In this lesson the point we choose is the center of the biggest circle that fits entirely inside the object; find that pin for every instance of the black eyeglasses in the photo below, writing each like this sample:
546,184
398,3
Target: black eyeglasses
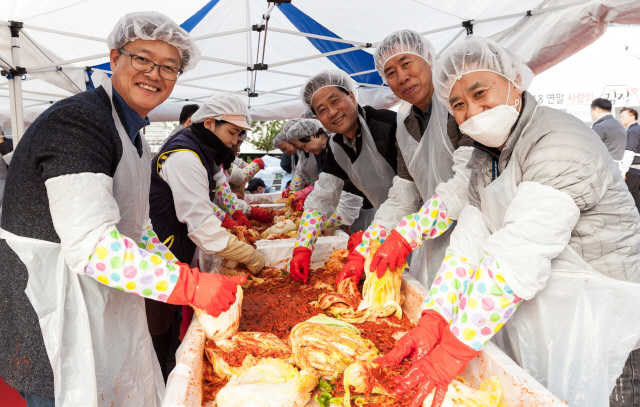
145,65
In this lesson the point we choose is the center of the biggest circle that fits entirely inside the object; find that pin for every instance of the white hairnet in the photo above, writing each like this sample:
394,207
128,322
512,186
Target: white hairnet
307,114
285,129
151,25
302,128
329,77
279,139
473,55
403,42
221,104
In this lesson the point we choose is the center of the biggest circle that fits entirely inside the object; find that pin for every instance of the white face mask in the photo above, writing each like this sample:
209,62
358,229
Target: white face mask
492,127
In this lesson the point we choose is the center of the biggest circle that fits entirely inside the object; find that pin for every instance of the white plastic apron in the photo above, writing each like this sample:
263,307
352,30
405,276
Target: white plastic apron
96,337
370,172
307,167
575,335
429,162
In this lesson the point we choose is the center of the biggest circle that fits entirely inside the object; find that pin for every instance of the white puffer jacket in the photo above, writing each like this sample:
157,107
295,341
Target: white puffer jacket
560,151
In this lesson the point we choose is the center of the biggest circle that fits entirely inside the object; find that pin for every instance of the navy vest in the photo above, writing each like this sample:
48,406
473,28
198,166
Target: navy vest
162,211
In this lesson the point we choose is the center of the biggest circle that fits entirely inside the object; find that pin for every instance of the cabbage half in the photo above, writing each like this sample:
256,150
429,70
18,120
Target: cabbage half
382,295
270,383
461,395
226,324
329,350
360,376
262,340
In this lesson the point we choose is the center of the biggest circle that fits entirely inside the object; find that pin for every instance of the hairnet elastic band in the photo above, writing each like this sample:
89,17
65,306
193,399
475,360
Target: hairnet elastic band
404,52
482,70
326,86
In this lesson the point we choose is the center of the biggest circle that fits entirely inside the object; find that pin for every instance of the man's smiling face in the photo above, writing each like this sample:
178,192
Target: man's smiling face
143,91
336,110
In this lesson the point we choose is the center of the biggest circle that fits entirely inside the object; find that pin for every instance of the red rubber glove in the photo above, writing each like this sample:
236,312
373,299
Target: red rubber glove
285,193
229,223
259,162
299,204
211,292
354,240
436,370
304,193
353,269
299,268
260,215
239,217
418,342
392,253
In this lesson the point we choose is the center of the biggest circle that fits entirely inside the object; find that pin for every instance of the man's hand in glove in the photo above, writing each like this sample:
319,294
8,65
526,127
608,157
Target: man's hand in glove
229,223
354,240
299,204
436,370
392,253
418,342
304,193
353,269
299,268
213,293
260,215
285,193
243,253
239,217
259,162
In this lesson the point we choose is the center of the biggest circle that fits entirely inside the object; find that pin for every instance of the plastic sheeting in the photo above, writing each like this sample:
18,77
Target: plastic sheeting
184,386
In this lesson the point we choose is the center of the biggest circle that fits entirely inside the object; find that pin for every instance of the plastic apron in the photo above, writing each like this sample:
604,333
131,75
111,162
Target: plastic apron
429,162
575,335
370,172
96,337
307,167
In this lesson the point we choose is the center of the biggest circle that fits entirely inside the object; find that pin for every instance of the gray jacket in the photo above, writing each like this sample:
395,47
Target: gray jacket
633,144
559,151
612,134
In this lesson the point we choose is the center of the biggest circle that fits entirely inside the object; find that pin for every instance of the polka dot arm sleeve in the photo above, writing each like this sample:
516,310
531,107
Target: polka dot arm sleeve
430,222
448,286
334,221
486,304
297,184
373,232
152,244
250,171
311,223
118,262
225,198
219,213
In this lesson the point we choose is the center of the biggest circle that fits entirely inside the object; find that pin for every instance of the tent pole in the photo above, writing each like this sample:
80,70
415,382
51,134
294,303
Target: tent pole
221,34
326,54
213,75
68,34
320,37
455,37
69,61
226,61
15,85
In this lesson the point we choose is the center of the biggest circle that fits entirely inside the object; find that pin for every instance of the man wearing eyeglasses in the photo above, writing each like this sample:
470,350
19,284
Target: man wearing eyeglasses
78,254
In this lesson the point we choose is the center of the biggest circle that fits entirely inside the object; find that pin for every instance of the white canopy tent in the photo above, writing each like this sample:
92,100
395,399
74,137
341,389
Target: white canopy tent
265,51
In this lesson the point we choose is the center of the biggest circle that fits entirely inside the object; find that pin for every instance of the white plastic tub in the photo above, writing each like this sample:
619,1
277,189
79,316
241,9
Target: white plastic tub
184,386
253,199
